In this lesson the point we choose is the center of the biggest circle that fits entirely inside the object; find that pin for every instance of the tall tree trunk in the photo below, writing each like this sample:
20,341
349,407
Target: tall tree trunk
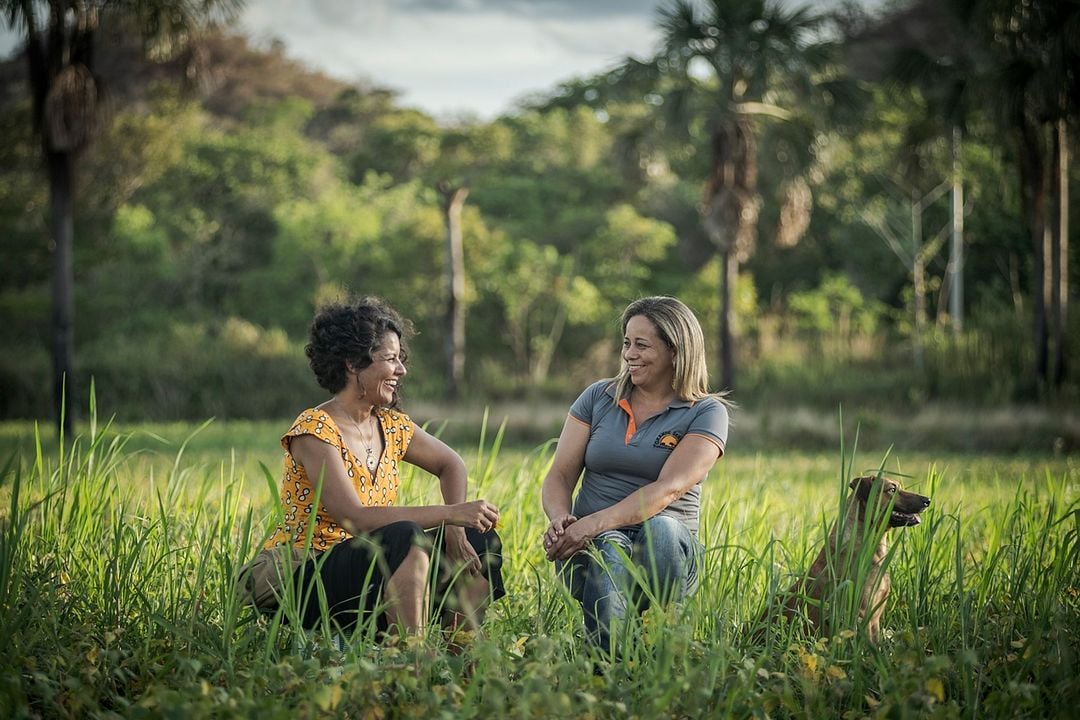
1033,189
1060,281
729,270
729,213
956,248
918,283
545,353
61,205
454,344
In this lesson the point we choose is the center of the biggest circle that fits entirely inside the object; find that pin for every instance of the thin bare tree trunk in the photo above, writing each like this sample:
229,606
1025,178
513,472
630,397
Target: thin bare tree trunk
956,249
61,171
729,271
1033,187
454,343
541,364
1061,253
918,282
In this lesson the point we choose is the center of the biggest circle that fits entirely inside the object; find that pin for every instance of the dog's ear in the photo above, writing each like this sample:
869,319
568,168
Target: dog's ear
861,486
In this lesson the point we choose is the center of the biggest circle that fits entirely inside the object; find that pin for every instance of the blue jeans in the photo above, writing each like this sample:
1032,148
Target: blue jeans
665,555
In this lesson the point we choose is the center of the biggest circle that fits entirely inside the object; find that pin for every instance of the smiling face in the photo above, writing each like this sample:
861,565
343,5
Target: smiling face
648,358
379,381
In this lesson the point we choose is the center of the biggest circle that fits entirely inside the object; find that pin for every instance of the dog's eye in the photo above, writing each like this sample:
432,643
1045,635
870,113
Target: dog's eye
892,490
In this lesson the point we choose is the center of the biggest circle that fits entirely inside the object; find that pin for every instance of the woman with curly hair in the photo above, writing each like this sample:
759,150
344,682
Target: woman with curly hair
344,543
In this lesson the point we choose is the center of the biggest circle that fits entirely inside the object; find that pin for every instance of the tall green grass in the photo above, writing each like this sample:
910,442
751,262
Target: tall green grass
116,566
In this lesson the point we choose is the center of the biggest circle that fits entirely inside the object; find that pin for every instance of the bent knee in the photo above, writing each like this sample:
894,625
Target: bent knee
418,557
403,531
664,530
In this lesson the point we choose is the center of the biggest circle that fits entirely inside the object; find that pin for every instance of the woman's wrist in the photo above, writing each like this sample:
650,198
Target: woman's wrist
591,525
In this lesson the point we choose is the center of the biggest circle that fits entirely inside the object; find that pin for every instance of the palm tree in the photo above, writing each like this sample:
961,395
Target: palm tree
739,62
68,101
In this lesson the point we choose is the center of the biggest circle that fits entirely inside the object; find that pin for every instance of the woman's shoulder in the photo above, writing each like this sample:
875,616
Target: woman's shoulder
713,404
395,420
599,388
595,392
313,421
710,414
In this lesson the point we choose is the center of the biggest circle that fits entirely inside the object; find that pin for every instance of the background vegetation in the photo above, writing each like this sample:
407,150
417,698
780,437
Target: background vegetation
211,219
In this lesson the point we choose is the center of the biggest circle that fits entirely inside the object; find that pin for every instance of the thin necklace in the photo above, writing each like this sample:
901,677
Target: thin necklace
371,461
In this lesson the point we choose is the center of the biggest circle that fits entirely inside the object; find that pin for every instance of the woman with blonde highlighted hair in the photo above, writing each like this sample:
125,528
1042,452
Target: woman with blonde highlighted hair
641,444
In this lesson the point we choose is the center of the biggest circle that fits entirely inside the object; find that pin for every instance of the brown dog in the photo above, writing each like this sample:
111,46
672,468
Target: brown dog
855,554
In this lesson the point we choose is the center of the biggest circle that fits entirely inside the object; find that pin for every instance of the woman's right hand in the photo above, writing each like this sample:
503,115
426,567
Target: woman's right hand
477,514
556,529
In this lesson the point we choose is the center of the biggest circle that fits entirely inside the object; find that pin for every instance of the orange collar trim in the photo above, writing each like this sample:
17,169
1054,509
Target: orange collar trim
631,425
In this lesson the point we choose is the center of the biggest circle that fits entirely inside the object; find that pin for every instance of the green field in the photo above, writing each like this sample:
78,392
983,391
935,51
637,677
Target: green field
115,594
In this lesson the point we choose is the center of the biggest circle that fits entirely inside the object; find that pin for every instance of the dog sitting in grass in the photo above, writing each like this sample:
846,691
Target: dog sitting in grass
854,555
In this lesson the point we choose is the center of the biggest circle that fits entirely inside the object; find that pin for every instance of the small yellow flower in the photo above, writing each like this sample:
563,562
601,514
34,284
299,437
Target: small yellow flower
517,648
809,661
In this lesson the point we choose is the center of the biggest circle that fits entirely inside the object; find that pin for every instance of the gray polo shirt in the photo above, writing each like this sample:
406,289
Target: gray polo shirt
622,457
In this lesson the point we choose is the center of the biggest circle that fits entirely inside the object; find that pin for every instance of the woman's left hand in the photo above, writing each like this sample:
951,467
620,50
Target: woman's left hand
460,550
575,537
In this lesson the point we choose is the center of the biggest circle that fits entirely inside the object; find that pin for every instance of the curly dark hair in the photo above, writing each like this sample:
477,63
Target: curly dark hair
344,335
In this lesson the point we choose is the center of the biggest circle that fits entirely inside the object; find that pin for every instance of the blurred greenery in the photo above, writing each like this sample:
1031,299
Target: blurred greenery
210,225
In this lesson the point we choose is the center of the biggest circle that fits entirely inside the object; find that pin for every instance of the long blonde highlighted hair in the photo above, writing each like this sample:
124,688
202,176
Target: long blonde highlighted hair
679,328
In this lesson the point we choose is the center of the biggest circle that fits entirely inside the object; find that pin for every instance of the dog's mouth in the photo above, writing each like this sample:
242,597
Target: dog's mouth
903,519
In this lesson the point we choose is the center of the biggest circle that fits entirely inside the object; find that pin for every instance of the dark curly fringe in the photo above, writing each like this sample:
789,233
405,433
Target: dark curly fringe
345,335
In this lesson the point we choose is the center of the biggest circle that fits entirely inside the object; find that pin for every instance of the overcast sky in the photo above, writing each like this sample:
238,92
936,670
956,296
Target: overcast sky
457,56
453,57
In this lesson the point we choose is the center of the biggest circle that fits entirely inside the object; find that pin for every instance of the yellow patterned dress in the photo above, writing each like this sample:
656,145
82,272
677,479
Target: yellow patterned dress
298,490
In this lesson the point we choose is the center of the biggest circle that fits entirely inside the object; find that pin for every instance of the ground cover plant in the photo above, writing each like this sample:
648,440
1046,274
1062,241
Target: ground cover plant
116,600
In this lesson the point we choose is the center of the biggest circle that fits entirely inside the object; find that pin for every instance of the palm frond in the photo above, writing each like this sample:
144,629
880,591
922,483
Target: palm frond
678,23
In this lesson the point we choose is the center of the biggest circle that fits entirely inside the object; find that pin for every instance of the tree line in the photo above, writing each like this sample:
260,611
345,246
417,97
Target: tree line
869,208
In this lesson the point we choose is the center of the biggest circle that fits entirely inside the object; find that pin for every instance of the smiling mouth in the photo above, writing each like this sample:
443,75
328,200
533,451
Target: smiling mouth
901,519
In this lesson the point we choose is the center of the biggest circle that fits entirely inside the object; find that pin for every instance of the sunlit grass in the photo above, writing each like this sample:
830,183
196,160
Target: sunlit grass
116,560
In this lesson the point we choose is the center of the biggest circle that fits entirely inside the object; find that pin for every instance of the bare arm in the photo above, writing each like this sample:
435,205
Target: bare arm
340,499
562,478
432,454
689,462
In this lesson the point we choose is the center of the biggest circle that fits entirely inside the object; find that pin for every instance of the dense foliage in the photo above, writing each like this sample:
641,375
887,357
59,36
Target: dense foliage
211,224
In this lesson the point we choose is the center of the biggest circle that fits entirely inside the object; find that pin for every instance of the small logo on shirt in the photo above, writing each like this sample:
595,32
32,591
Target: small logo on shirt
667,440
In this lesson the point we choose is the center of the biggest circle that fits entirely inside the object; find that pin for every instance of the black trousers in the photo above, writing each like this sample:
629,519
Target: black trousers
352,574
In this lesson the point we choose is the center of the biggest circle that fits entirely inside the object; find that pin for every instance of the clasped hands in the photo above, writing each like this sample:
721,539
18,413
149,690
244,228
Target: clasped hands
564,537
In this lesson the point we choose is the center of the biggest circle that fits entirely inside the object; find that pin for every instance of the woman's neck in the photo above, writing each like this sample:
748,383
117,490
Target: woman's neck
357,410
654,396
